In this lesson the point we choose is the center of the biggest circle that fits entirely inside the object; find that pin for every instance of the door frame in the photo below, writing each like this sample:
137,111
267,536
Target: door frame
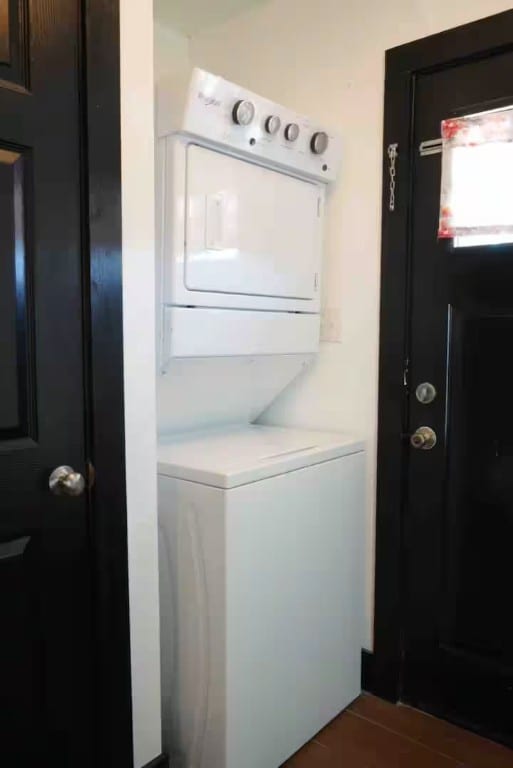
382,669
100,117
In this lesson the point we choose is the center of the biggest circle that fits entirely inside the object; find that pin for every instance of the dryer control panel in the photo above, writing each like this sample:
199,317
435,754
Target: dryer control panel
224,114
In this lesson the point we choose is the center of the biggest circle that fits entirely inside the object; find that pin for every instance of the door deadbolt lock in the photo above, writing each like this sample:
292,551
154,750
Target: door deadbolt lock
64,481
425,393
423,439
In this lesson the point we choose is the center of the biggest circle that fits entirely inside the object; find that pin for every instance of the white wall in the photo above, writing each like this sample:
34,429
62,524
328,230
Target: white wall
326,58
171,51
140,40
139,344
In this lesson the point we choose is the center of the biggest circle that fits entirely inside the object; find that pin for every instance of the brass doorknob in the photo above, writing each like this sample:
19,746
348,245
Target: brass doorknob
64,481
424,439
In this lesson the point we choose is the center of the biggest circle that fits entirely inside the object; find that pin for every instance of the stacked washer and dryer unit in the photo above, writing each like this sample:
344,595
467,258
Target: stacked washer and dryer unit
261,528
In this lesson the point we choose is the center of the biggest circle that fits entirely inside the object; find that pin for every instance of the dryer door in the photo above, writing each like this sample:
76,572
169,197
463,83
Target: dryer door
250,230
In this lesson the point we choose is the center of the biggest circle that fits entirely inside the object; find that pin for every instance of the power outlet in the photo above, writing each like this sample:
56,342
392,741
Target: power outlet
330,325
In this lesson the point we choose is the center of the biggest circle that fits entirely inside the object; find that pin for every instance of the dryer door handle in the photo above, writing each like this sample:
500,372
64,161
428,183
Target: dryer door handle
215,222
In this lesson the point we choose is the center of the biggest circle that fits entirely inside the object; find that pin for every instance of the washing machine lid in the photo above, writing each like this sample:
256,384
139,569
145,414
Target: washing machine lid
233,456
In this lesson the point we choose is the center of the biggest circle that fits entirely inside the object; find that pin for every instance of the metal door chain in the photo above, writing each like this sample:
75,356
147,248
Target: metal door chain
392,156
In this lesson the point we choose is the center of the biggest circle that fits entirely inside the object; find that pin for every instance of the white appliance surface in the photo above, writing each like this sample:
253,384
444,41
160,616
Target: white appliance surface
203,392
236,235
200,332
250,230
261,528
232,456
262,593
201,106
240,221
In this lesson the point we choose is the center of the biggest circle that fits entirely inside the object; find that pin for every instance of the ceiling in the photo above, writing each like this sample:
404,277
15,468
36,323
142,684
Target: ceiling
191,16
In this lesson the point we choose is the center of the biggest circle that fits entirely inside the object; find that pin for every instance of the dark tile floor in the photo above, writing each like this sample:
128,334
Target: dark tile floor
375,734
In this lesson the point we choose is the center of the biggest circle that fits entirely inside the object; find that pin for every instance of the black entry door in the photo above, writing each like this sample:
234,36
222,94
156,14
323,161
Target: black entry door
458,521
45,595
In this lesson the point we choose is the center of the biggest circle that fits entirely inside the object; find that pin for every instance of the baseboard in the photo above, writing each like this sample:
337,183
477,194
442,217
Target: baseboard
162,761
367,671
380,677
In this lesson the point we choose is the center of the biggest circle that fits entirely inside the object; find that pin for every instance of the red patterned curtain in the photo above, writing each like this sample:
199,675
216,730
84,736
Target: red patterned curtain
477,175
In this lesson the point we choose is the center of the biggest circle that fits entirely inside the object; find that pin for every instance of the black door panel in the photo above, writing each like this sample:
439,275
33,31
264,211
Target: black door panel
458,639
17,396
45,571
14,42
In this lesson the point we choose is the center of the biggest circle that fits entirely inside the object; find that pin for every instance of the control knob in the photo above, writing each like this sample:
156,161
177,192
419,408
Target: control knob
319,143
243,112
272,124
292,131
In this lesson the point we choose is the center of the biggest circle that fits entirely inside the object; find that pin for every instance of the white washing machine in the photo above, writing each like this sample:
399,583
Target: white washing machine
262,591
261,528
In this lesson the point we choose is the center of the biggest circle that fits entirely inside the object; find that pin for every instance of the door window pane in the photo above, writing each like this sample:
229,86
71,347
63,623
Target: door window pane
477,179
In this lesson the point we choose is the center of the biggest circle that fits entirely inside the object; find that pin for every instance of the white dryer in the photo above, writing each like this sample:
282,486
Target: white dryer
241,204
262,591
241,186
